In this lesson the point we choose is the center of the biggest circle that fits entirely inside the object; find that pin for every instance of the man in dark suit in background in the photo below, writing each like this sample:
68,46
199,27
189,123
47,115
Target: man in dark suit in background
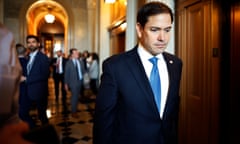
37,83
138,99
73,78
58,66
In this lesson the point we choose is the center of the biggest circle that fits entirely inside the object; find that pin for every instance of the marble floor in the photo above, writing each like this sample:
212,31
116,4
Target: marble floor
72,130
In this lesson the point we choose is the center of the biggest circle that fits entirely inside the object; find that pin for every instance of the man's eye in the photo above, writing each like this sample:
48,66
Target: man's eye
154,29
167,30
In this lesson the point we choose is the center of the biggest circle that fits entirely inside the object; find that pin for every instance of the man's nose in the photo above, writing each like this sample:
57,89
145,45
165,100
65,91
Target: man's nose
161,36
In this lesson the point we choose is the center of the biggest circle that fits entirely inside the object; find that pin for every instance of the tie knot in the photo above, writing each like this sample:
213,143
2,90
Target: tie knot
153,60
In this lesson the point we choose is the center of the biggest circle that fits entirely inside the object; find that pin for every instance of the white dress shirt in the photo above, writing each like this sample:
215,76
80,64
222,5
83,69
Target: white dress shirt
163,72
60,68
30,62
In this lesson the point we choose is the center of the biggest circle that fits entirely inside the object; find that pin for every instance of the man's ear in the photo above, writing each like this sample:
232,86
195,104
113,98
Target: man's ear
139,30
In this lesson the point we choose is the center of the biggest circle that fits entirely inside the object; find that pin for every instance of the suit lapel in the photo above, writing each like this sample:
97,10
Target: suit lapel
170,66
34,62
74,74
136,67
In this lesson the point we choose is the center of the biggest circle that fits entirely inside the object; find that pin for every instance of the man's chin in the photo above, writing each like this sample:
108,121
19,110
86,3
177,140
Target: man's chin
32,49
160,49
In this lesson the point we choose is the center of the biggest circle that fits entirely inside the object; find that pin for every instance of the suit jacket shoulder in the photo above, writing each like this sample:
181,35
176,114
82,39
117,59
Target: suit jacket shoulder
168,56
119,58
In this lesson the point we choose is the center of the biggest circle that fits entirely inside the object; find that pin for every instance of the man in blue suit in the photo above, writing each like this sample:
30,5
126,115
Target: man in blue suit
36,82
127,109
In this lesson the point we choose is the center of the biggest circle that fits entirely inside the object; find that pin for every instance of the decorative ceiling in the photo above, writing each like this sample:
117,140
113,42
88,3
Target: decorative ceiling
36,12
45,6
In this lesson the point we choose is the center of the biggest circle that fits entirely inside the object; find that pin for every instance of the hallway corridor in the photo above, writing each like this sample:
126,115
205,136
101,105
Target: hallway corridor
71,130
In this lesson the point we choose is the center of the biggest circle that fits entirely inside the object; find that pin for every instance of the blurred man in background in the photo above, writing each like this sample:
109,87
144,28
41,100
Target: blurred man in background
11,129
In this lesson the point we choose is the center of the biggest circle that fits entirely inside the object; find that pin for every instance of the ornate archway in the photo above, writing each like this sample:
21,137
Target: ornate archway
32,15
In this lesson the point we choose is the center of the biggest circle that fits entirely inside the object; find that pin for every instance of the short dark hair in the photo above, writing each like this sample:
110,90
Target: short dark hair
34,37
21,50
71,50
150,9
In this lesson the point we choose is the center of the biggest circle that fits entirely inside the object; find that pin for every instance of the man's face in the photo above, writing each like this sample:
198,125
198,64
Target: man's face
75,54
32,44
155,35
59,53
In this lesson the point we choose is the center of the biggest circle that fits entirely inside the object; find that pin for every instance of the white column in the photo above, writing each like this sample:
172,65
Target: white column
131,37
91,25
104,40
96,32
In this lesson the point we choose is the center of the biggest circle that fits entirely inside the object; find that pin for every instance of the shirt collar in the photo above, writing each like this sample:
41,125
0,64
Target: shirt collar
33,54
145,55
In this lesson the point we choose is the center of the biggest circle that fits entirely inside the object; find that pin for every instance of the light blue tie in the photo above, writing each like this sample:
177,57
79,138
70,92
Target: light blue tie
155,82
29,64
78,69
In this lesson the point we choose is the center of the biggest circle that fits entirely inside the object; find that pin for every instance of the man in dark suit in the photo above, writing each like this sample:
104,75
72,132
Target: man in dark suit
73,78
129,110
58,66
37,83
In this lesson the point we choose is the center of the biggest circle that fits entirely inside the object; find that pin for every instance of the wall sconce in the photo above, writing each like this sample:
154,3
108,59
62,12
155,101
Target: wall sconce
109,1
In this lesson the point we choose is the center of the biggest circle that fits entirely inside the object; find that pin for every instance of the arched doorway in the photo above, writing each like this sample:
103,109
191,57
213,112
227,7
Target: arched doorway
32,22
52,37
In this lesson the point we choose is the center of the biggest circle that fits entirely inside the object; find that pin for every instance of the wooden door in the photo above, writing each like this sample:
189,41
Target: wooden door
194,48
233,110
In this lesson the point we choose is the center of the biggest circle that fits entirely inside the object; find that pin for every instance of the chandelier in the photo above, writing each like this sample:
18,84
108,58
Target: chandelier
49,18
109,1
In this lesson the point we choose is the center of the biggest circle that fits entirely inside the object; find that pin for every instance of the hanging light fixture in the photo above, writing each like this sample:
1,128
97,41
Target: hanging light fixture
109,1
49,18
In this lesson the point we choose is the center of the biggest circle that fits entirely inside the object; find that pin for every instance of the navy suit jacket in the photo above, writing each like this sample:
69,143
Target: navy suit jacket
23,87
37,79
126,112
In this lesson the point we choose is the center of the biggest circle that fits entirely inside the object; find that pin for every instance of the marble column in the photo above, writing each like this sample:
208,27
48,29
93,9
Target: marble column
92,22
131,37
